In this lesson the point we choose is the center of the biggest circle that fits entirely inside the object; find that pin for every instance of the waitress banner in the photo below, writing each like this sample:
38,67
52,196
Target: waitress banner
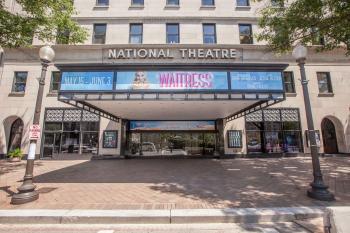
256,80
171,80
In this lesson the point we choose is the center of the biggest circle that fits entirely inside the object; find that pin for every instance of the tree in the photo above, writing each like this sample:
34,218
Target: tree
47,20
285,23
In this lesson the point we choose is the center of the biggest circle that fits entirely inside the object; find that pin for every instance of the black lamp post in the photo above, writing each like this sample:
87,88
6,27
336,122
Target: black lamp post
27,192
318,190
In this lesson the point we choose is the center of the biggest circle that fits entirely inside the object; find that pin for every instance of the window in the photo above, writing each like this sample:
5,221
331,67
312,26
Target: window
324,82
317,38
172,33
209,34
288,78
62,36
19,82
277,3
135,34
245,34
173,2
208,2
234,138
99,36
102,2
243,3
55,81
137,2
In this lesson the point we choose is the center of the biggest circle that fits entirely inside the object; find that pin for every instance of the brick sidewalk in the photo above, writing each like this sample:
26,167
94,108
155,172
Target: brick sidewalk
175,183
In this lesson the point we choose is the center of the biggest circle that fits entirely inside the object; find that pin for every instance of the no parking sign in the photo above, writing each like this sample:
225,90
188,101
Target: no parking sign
34,132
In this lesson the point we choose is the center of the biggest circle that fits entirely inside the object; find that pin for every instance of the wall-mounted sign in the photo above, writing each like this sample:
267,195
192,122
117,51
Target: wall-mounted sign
87,81
110,139
256,80
172,80
167,53
172,125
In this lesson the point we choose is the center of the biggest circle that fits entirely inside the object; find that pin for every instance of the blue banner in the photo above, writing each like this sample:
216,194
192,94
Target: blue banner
171,80
87,81
256,80
172,125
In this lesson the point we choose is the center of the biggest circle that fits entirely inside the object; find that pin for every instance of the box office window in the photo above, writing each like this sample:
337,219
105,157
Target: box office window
172,33
99,35
234,138
209,34
136,33
274,131
288,79
19,82
324,82
245,34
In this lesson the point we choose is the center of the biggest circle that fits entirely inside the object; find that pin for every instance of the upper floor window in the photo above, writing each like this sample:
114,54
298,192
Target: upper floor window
55,81
288,79
245,34
99,36
62,36
173,2
317,38
135,34
277,3
172,33
102,2
19,82
209,34
324,82
137,2
243,3
208,2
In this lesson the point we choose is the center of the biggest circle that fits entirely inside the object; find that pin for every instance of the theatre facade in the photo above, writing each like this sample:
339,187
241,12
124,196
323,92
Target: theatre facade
174,100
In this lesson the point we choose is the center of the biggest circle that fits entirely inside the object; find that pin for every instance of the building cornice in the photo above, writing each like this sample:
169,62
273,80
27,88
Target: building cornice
159,18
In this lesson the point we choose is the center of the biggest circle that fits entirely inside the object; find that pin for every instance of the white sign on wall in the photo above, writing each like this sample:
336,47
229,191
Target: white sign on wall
34,132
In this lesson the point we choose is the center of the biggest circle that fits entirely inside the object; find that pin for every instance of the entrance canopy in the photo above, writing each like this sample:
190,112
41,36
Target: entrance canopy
168,94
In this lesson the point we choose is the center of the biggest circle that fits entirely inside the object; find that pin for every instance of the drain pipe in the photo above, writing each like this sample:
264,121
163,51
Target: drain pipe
2,59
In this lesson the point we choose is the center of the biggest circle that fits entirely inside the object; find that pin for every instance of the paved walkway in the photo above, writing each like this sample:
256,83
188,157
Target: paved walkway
175,183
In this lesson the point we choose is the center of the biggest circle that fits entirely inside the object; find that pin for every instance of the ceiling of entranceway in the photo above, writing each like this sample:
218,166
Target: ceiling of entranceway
172,110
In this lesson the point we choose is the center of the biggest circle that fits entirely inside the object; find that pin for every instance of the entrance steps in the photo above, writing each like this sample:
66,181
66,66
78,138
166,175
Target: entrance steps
176,216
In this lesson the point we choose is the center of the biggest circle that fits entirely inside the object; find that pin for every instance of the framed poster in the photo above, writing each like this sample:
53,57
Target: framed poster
110,139
234,138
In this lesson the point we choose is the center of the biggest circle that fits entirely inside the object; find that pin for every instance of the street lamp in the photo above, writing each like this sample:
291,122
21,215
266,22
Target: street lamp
27,192
318,190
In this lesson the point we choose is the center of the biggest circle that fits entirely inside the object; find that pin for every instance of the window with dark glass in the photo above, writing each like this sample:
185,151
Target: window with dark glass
173,2
288,78
245,34
234,138
55,81
242,2
208,2
137,2
99,36
324,82
317,37
19,82
62,36
172,33
102,2
209,34
277,3
135,34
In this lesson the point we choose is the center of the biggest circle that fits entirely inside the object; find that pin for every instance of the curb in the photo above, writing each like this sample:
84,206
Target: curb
177,216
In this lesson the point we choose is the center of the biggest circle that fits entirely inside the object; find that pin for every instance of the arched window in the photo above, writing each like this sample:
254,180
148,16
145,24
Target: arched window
16,135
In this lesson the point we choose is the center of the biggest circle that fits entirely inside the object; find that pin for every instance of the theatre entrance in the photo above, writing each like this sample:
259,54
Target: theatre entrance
172,138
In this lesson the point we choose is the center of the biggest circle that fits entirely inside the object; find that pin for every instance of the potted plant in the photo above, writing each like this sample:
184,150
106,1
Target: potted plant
15,155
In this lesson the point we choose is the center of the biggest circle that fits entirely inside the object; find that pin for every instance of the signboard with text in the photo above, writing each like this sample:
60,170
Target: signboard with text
87,81
171,80
34,132
172,125
256,80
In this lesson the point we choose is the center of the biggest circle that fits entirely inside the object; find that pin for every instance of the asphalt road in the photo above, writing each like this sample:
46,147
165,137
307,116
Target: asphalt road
154,228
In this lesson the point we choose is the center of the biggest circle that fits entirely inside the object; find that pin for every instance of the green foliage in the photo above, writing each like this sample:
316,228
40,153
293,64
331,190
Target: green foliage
305,21
16,153
40,18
